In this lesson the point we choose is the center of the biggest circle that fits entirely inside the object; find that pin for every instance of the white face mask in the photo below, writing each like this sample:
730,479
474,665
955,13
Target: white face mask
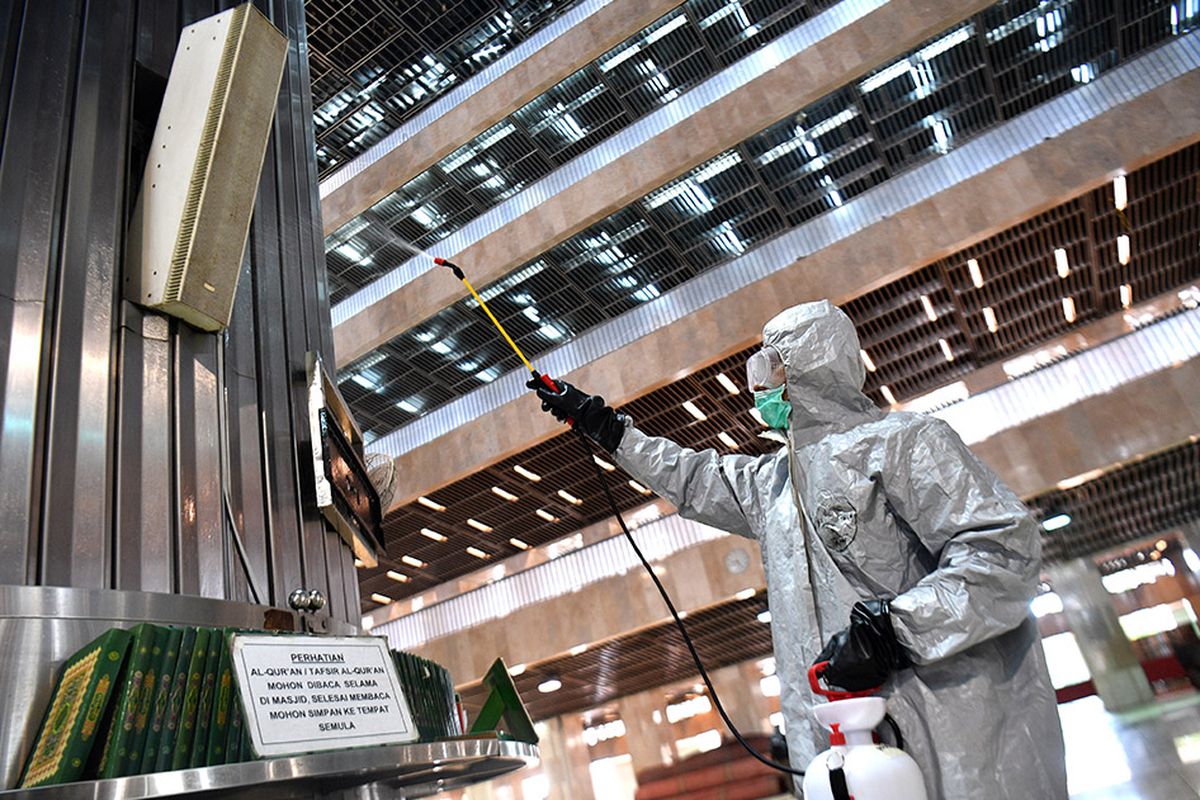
764,370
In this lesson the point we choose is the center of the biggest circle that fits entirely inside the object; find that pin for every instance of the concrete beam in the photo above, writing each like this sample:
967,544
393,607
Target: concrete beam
1151,126
880,36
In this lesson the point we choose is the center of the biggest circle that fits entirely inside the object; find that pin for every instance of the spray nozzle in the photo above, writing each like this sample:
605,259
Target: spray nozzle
455,268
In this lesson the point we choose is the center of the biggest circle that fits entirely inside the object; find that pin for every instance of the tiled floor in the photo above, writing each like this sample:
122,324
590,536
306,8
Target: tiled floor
1151,754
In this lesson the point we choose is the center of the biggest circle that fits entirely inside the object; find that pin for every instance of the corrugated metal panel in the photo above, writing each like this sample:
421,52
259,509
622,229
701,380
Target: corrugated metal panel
114,418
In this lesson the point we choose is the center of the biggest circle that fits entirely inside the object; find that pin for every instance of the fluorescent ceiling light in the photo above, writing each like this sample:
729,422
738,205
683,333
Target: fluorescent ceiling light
887,394
976,273
502,493
524,473
728,440
1126,295
1056,522
359,563
516,670
602,464
946,351
429,533
382,599
1060,262
1120,198
479,526
729,385
989,316
637,487
867,361
758,417
1068,304
570,498
398,577
425,501
475,551
927,304
1123,249
413,562
517,543
694,410
745,594
551,684
578,649
765,617
546,515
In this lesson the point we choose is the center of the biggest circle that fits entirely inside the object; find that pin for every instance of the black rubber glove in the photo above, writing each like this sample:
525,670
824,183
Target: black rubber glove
862,656
591,415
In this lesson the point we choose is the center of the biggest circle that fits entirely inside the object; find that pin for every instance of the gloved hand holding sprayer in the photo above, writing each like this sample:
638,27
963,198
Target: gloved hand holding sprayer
895,561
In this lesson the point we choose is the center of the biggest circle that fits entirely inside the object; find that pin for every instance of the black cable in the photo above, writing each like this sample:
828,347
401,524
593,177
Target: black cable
891,723
687,639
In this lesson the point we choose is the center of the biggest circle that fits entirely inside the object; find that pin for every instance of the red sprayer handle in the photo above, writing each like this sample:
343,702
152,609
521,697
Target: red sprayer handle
552,386
814,682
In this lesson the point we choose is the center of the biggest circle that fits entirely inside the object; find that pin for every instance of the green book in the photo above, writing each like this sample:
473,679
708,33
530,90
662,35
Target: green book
185,731
223,700
233,745
199,754
80,699
132,763
162,701
170,728
125,709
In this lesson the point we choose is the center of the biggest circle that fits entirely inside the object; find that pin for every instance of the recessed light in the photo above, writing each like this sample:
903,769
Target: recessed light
887,394
578,649
765,617
1060,263
729,385
570,498
358,562
989,316
745,594
546,515
976,273
867,361
436,506
475,551
1120,197
758,417
1126,295
602,464
413,562
1068,304
1123,248
728,440
694,410
398,577
946,351
637,487
1055,522
517,669
429,533
382,599
504,494
551,684
524,473
517,543
479,526
927,304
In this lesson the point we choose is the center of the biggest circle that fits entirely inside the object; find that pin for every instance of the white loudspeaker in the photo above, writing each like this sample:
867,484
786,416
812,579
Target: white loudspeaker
190,224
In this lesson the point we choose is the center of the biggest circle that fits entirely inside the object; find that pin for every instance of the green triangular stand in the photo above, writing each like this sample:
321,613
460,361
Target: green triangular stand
503,712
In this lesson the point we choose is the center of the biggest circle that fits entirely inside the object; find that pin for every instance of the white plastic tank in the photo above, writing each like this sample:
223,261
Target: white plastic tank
855,767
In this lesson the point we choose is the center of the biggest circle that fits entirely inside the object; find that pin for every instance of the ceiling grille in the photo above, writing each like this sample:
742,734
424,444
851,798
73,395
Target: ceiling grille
724,634
1019,278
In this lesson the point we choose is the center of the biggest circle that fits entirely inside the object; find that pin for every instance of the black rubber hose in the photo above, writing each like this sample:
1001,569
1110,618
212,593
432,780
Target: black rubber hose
687,639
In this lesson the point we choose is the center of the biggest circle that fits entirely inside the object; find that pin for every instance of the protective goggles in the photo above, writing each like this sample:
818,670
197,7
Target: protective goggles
764,370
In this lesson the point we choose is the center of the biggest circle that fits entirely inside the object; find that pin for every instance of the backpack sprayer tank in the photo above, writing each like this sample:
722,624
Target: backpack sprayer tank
855,767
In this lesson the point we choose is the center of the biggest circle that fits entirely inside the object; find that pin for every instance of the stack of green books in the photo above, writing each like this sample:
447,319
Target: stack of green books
149,699
430,694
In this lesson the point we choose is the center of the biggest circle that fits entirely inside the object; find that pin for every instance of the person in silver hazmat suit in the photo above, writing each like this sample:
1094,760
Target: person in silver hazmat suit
887,541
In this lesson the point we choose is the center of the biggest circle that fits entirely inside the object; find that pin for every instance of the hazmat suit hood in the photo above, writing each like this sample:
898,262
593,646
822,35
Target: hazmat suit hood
819,348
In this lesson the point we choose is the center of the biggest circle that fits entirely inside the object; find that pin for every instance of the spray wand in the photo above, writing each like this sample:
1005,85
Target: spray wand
662,590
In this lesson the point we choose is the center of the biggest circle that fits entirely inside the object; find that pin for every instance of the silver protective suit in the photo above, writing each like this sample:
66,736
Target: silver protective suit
897,507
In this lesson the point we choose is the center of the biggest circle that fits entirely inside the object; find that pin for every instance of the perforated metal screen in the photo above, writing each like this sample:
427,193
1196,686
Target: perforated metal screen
1019,278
